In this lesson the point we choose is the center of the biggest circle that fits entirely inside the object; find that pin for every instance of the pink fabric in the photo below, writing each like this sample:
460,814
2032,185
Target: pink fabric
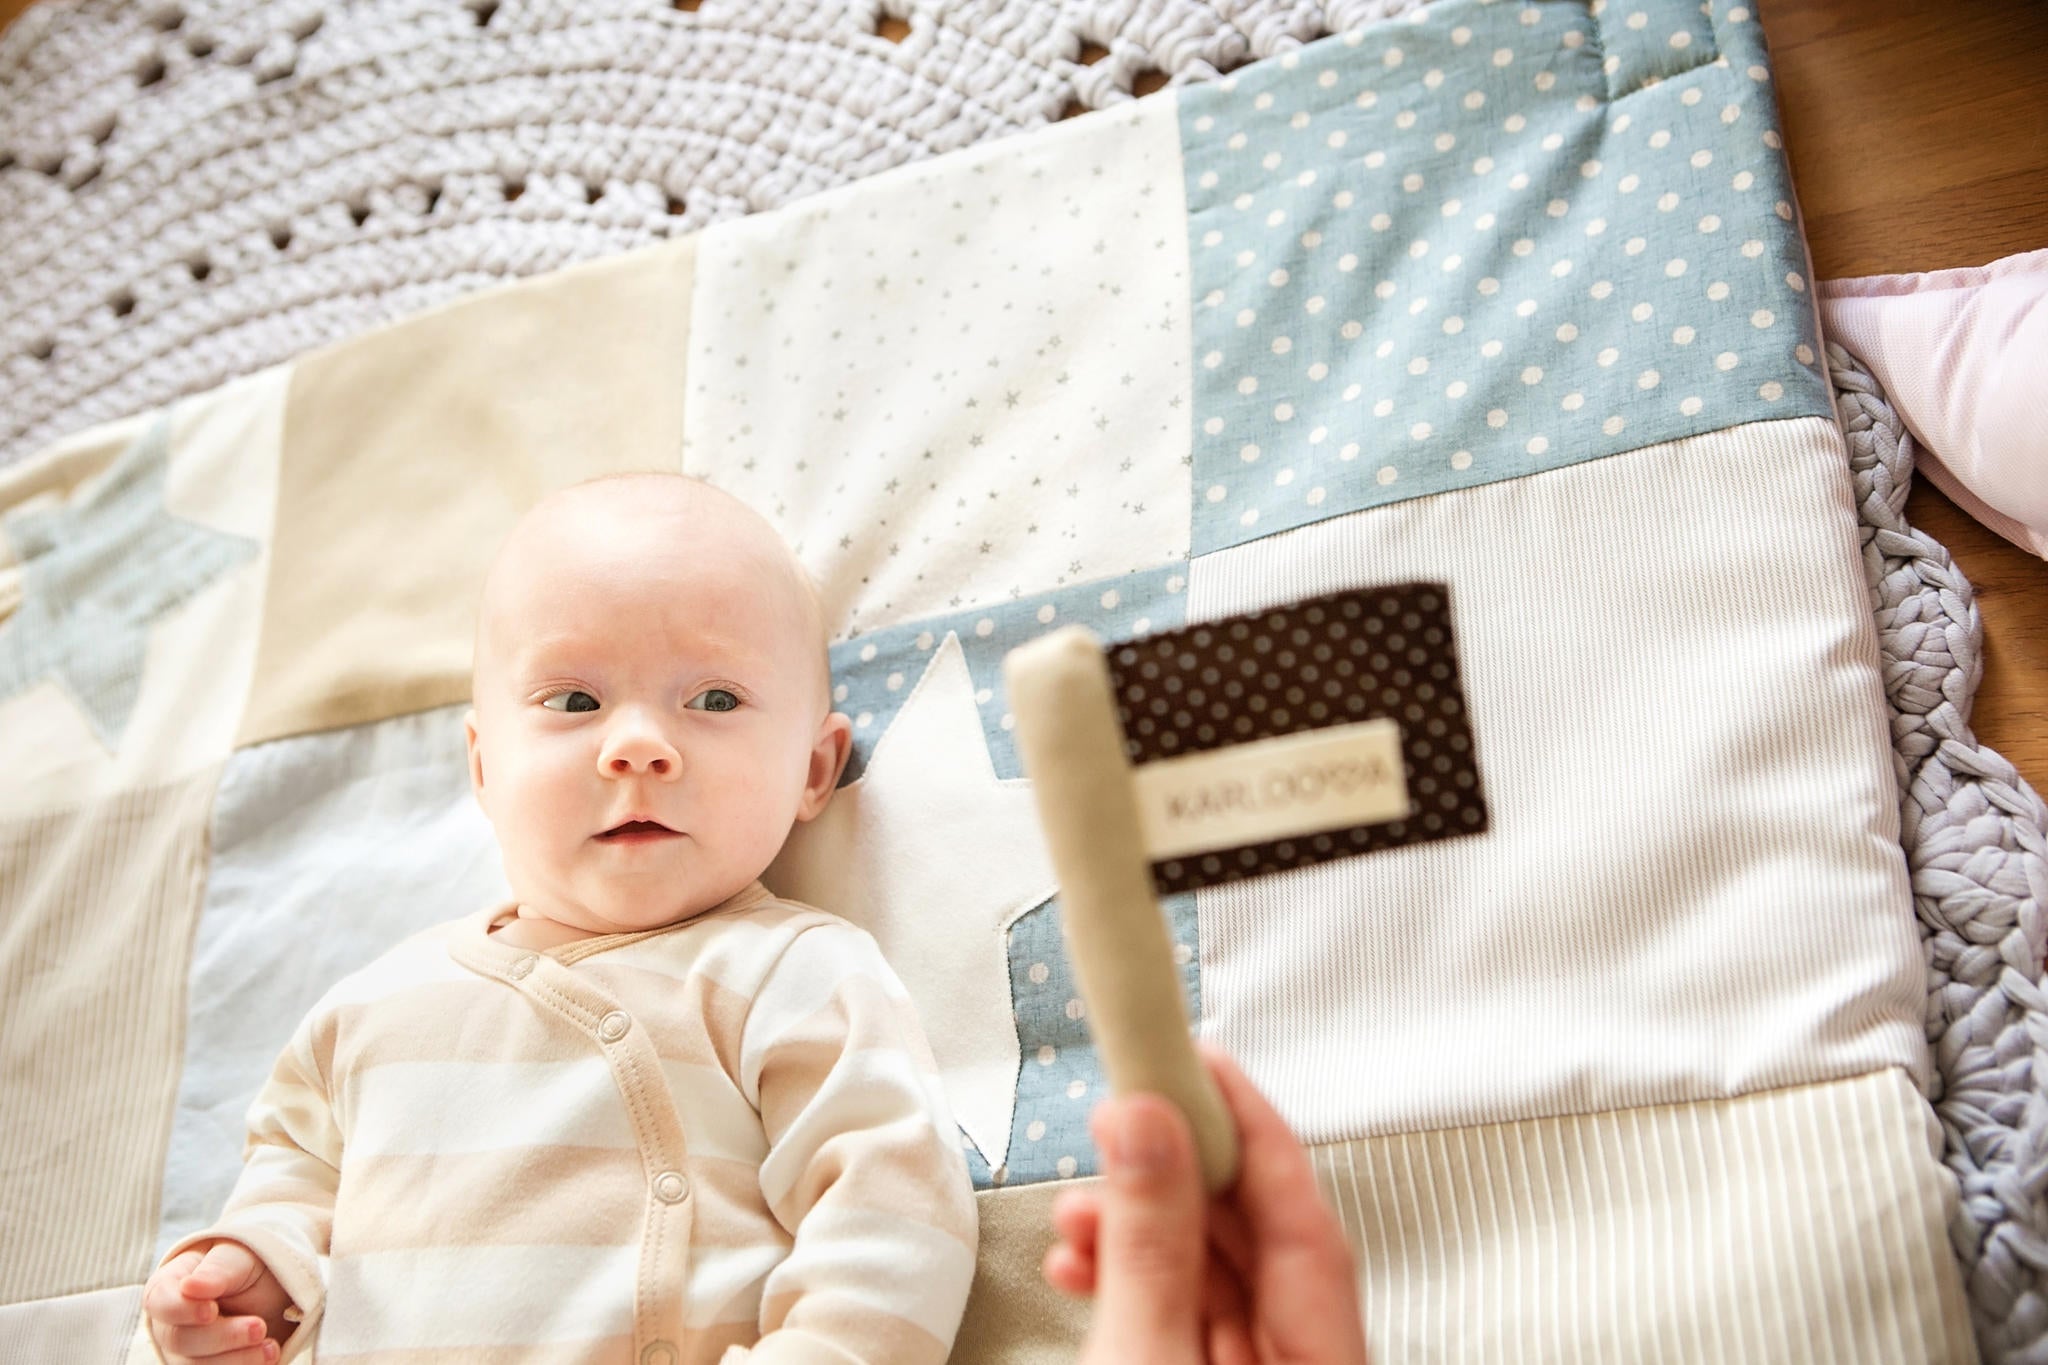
1963,356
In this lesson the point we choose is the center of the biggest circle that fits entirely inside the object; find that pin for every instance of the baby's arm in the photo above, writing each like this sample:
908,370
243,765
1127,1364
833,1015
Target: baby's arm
863,1166
280,1214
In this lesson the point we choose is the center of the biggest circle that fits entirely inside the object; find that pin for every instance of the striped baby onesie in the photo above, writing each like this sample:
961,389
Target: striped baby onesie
716,1142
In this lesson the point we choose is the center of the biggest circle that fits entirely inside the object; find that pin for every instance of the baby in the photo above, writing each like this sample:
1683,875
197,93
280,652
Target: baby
647,1113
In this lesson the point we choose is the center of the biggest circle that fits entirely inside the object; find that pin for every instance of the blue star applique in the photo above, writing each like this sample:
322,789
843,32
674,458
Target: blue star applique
97,574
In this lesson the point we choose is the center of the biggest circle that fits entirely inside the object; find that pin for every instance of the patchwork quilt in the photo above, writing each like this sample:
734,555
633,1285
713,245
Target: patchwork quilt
1510,297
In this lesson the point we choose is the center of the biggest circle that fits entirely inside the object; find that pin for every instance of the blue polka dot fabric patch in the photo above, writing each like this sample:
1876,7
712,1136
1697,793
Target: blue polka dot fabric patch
872,674
1641,45
1492,241
1061,1079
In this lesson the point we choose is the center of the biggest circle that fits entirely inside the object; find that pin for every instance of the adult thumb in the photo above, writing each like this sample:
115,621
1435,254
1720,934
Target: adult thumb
1150,1245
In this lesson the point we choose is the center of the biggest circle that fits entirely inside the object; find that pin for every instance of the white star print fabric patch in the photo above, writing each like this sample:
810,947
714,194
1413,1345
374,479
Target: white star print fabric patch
987,357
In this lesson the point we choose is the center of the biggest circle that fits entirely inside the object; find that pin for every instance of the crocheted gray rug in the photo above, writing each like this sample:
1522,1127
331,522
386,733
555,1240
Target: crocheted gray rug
195,189
1976,839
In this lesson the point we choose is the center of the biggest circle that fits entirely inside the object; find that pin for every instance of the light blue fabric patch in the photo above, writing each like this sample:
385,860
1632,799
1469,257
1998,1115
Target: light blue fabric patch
1644,44
96,576
1476,246
1061,1079
872,674
327,849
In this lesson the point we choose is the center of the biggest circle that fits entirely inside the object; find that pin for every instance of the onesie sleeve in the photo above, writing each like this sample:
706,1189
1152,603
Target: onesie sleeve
282,1207
864,1167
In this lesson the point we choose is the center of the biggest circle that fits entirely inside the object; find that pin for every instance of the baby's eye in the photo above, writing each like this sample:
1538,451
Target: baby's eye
713,699
570,701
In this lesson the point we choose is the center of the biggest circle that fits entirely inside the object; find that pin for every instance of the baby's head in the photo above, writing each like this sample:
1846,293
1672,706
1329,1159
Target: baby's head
652,702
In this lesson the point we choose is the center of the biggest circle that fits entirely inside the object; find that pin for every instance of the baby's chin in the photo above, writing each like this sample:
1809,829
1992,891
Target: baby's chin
614,909
631,916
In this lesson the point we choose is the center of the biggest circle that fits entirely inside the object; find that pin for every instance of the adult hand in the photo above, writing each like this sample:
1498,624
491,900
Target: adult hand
1259,1275
218,1304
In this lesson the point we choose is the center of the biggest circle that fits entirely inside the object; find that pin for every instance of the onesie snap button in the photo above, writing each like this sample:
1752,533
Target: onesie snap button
658,1353
613,1026
670,1187
520,968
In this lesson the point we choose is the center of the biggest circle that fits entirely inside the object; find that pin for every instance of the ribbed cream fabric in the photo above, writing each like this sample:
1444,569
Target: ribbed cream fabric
1804,1224
1692,887
78,1329
97,908
1799,1225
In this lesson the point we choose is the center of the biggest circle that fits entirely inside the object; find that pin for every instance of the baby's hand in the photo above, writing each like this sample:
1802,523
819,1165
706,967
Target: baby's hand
218,1304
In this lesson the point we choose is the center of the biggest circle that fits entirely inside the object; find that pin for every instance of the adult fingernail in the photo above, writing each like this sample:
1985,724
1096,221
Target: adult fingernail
1144,1145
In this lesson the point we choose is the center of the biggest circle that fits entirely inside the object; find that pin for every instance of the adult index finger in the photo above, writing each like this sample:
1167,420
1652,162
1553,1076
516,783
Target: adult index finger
1276,1186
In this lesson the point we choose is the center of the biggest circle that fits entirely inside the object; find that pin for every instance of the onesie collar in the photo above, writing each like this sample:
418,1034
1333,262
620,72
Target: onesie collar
475,946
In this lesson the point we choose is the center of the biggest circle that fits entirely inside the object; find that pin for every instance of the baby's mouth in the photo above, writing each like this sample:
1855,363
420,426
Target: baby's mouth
637,831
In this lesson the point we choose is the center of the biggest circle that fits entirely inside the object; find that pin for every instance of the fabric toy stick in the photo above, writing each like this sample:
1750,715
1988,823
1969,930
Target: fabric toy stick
1073,750
1256,745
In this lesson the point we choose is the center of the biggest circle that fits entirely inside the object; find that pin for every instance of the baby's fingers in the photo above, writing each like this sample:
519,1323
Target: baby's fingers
229,1338
228,1268
163,1302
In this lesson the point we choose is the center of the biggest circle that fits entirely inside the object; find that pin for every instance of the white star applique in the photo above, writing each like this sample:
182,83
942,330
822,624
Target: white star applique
936,856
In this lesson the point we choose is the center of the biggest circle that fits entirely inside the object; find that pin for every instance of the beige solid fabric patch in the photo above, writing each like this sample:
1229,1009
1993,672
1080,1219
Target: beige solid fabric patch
409,454
101,905
1800,1225
1013,1316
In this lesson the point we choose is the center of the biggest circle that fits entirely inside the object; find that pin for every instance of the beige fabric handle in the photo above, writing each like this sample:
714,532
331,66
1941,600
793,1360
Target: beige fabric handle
1072,747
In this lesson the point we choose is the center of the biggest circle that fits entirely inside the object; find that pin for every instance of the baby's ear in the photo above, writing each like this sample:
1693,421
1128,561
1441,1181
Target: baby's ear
829,752
476,758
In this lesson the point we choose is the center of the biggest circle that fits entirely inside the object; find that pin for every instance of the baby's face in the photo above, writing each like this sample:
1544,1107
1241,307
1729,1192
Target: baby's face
650,710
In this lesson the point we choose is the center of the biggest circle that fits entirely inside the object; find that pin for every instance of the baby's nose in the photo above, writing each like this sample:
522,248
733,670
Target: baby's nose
638,749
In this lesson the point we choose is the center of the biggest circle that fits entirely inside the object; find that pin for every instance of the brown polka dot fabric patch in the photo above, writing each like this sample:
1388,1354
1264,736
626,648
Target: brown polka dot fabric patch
1367,654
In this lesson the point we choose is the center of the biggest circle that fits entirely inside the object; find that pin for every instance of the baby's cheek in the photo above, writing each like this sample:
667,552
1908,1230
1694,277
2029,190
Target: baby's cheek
540,803
560,807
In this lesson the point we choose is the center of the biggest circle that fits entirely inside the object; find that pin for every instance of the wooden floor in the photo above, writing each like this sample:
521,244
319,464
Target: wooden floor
1919,141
